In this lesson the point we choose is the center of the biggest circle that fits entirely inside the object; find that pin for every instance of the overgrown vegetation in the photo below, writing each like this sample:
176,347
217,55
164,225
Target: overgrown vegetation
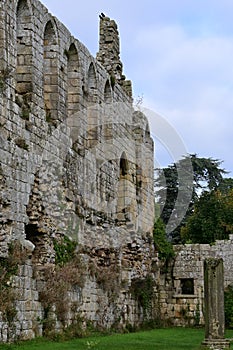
4,76
65,250
142,289
212,218
228,307
162,245
8,269
67,275
107,277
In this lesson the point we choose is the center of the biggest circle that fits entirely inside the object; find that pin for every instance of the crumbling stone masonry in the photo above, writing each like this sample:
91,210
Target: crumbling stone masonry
76,160
182,286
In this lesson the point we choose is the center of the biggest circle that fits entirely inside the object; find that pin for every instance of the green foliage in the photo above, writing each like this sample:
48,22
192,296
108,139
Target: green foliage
212,218
77,329
207,173
197,316
143,291
68,273
162,245
25,113
207,176
58,282
228,307
8,269
159,339
64,250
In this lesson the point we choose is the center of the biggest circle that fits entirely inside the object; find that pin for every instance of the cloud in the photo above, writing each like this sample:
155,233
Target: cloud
178,55
189,79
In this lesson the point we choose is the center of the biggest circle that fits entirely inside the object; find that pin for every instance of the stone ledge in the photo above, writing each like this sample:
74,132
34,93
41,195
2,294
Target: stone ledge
216,344
185,296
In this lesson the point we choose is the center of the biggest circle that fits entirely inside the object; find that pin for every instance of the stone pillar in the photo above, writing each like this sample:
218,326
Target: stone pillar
214,305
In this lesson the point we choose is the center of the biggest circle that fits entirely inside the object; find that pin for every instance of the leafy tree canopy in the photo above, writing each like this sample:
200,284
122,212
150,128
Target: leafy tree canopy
212,218
198,175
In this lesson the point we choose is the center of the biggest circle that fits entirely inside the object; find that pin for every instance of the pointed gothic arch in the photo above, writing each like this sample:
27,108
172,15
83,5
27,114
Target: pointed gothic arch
124,165
91,84
72,80
24,48
50,72
107,93
123,188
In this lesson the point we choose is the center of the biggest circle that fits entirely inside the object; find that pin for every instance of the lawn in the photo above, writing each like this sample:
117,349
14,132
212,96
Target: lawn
160,339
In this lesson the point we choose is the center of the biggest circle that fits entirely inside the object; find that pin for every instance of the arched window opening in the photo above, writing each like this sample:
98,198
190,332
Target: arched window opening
147,132
107,93
91,84
50,71
72,80
138,183
92,112
123,191
24,49
124,165
91,77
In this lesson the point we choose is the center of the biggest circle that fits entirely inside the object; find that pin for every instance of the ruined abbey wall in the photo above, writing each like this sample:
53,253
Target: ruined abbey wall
76,160
182,289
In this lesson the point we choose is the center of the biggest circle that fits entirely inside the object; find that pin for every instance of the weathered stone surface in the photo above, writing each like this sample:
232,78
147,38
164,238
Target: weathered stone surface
214,298
214,305
75,160
214,344
188,265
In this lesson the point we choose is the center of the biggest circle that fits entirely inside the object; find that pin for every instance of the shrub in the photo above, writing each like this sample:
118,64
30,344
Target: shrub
163,246
228,306
143,291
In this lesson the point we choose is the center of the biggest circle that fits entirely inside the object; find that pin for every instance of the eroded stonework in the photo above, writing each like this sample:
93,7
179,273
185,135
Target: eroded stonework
182,287
76,160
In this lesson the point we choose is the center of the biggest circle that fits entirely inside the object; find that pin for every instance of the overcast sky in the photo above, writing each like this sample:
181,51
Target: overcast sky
179,56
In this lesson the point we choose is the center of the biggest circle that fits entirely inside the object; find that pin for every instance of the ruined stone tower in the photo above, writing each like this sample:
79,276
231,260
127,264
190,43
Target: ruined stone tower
76,161
109,53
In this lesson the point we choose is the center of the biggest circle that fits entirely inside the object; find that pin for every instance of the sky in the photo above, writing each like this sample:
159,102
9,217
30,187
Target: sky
179,56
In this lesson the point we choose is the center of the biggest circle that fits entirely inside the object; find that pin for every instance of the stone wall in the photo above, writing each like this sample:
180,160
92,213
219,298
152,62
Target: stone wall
182,288
75,160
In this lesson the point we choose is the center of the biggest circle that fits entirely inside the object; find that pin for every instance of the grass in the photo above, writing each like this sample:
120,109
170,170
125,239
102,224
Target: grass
160,339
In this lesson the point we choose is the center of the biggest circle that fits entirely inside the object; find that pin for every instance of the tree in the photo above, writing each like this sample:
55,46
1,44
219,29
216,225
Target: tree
198,175
164,248
212,218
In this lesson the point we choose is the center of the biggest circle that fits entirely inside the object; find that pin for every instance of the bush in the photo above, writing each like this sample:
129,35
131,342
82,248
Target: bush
228,306
162,245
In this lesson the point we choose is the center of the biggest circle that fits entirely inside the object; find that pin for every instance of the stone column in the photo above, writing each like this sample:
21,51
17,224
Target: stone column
214,305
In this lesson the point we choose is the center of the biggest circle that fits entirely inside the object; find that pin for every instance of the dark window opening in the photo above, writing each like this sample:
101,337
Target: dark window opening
31,231
124,166
107,93
187,286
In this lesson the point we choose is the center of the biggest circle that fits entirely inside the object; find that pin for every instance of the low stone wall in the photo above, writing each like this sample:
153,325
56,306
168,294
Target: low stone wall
182,288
